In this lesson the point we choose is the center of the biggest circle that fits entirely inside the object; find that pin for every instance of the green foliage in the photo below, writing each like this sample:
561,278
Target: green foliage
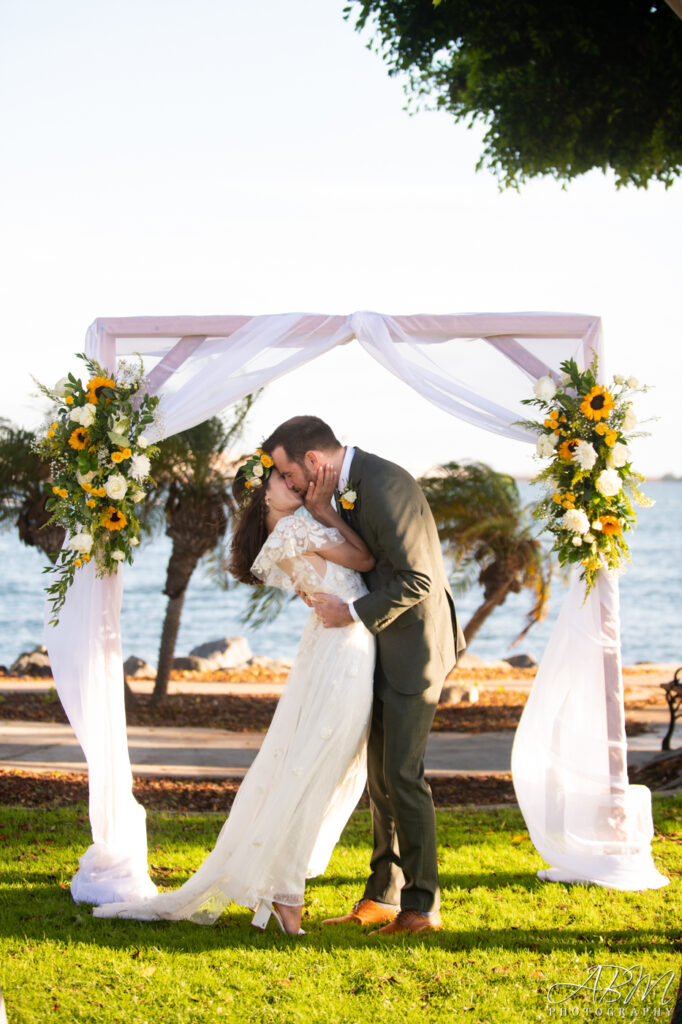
506,938
561,88
22,471
487,536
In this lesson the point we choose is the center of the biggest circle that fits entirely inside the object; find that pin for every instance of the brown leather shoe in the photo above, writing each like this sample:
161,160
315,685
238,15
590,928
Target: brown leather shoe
366,912
412,921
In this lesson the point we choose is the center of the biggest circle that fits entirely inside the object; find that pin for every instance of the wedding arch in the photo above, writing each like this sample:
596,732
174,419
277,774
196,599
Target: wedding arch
569,758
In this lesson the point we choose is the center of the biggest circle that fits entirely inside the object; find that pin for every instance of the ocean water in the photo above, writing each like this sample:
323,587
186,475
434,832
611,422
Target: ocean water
651,600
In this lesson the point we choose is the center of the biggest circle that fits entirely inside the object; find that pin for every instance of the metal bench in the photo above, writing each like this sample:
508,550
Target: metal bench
673,695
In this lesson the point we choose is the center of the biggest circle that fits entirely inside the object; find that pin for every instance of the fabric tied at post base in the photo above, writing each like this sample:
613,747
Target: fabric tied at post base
88,677
569,759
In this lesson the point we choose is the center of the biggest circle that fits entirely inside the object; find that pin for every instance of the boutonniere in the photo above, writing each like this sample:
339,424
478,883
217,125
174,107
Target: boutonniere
349,496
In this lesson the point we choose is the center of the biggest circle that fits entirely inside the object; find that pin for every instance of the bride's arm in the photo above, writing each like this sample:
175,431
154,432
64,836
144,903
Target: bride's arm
353,553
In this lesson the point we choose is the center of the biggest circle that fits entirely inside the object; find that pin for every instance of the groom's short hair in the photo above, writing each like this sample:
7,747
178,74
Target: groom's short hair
302,434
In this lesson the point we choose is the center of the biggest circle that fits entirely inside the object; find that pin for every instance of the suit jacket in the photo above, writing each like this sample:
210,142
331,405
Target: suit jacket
410,607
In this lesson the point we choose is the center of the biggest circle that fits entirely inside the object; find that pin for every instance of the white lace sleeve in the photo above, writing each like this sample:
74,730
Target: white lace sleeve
290,539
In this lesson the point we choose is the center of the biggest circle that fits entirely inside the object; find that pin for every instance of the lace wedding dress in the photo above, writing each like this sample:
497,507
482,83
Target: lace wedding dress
310,771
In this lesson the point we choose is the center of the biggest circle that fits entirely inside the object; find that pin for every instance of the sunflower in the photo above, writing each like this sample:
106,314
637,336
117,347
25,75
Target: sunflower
597,404
610,525
79,439
115,520
567,449
98,384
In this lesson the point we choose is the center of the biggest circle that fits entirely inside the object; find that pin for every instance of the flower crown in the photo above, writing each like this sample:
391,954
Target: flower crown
255,471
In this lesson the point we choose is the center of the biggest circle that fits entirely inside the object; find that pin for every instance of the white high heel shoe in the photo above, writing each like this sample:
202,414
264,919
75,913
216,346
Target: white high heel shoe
264,912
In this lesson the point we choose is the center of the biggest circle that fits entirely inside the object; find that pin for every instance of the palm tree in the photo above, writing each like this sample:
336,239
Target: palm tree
486,535
192,473
23,476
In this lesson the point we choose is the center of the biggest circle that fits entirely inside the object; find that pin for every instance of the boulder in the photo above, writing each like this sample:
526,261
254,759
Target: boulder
521,661
229,652
191,664
273,664
459,695
138,668
33,663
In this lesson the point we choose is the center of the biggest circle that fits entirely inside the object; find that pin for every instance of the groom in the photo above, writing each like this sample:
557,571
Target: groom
409,608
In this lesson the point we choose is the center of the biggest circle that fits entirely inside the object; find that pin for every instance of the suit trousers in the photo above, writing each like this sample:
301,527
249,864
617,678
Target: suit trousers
403,867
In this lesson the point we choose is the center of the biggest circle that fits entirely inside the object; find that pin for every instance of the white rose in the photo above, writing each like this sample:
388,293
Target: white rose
139,467
618,378
350,496
545,389
575,520
138,496
85,478
596,525
143,441
584,455
630,420
588,538
256,482
116,487
118,555
544,447
82,543
62,387
608,483
632,382
577,541
83,414
134,541
258,469
618,456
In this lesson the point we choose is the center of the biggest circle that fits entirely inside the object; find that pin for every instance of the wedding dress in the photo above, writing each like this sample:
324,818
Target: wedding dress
310,771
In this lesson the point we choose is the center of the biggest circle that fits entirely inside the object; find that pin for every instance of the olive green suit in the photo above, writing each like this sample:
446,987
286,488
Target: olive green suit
410,610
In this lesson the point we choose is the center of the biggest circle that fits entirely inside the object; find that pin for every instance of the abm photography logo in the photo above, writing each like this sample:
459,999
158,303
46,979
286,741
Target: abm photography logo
609,990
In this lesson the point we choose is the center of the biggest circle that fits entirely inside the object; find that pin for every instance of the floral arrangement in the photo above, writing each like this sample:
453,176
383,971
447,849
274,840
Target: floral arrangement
349,496
256,471
585,433
101,462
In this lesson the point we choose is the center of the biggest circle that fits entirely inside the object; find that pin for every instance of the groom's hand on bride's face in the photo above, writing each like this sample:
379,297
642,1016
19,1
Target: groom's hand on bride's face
318,497
332,611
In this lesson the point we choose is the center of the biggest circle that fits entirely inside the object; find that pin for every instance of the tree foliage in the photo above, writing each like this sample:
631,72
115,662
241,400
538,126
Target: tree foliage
487,536
561,88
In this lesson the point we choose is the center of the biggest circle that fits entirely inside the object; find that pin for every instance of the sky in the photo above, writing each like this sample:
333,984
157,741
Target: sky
162,158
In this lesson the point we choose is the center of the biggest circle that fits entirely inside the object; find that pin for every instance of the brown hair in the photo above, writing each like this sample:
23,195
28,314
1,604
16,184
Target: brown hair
250,532
299,435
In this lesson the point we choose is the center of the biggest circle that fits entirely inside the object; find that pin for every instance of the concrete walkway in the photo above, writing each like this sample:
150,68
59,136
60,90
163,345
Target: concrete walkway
215,753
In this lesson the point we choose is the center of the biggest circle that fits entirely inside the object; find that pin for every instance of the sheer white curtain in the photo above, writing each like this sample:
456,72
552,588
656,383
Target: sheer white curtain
475,366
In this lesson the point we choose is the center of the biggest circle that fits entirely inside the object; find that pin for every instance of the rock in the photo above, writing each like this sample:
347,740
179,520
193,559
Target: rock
191,664
32,663
459,695
272,664
226,653
521,661
138,668
472,661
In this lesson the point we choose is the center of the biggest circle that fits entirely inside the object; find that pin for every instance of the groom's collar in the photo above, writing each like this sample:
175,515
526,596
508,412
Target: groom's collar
344,476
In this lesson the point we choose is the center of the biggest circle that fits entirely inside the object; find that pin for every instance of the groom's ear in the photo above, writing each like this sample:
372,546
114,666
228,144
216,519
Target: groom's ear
311,461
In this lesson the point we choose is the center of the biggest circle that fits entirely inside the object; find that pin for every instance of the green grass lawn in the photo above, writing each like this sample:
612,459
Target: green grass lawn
507,938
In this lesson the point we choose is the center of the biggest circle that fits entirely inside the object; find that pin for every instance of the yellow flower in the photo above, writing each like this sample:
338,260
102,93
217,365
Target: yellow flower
91,502
347,504
601,428
96,385
558,498
611,437
61,492
126,453
610,525
86,558
597,405
115,520
549,423
266,460
55,490
101,492
567,449
78,561
117,457
69,399
79,439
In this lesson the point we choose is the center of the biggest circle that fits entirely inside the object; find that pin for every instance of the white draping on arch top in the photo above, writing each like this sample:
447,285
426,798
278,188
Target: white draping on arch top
475,366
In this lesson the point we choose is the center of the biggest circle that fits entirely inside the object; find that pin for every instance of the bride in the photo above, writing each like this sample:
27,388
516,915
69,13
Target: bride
310,771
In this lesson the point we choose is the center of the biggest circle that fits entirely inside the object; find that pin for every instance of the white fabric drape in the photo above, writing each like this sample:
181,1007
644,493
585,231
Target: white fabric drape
475,366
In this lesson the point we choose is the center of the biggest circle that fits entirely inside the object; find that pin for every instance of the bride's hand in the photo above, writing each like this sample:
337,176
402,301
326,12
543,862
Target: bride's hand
318,499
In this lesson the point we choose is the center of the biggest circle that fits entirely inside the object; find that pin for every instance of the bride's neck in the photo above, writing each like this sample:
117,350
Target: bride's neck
273,516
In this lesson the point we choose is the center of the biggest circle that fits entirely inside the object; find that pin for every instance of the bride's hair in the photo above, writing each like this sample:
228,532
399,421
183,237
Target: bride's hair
302,434
250,533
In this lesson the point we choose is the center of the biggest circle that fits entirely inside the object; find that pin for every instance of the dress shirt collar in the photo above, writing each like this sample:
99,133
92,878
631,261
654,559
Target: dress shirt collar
345,468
